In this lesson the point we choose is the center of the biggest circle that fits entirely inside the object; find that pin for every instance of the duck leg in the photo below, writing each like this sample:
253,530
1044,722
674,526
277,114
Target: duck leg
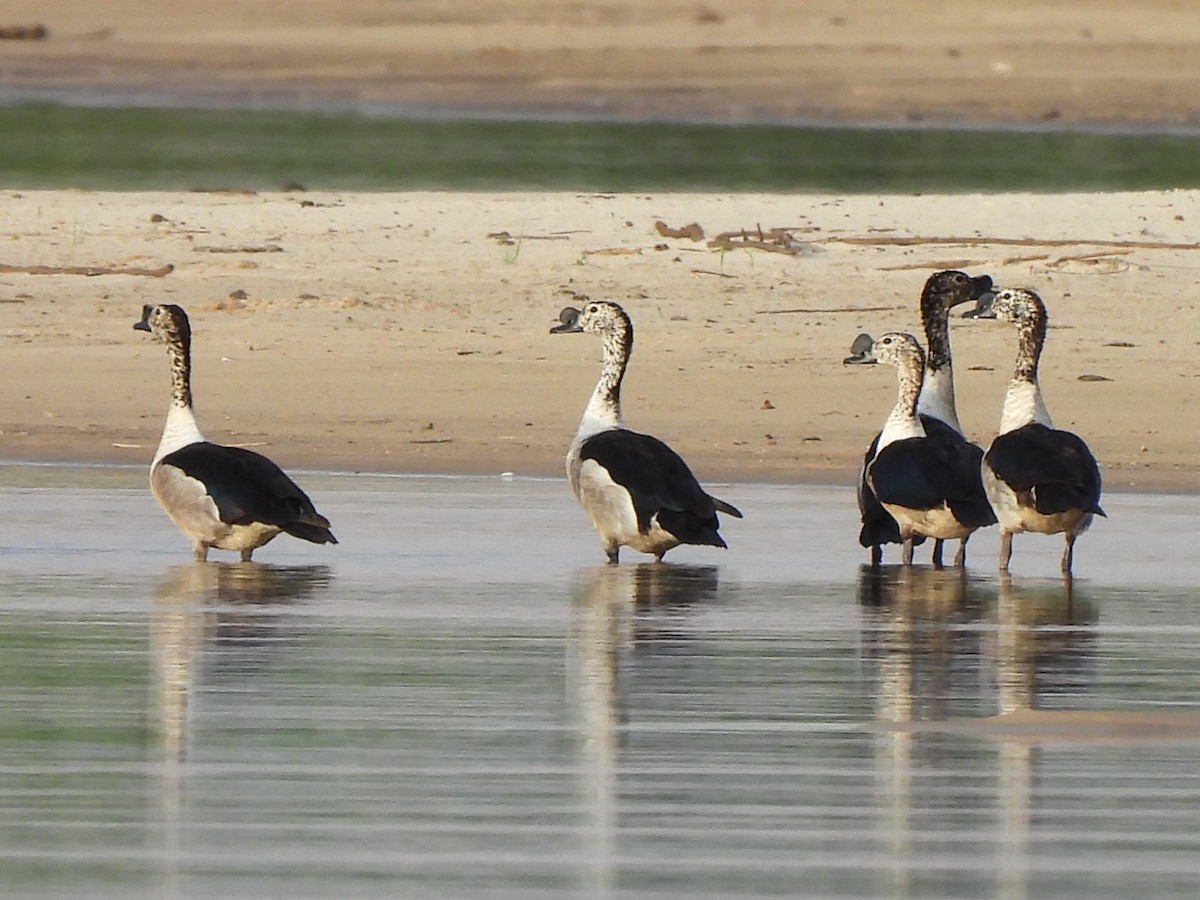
907,553
876,556
1005,549
1068,557
960,558
936,558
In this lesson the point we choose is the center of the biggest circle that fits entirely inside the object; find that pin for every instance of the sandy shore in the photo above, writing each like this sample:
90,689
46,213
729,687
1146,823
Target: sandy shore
1072,61
410,332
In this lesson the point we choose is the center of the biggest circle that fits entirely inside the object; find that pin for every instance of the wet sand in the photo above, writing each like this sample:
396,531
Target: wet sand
409,332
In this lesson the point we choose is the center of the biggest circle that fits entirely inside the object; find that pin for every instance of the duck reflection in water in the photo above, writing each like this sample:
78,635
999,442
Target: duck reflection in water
617,610
198,607
914,629
912,634
1043,642
920,621
931,634
226,605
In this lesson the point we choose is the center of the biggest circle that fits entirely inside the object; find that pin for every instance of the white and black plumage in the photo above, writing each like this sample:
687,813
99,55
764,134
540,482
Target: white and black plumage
937,410
921,480
1038,477
635,489
224,497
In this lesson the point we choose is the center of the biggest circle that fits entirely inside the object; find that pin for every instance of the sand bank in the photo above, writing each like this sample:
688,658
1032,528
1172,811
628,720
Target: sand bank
409,332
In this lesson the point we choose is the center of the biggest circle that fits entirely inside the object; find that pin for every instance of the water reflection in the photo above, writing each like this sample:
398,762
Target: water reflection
199,606
1042,631
911,632
617,609
426,724
932,635
202,604
924,629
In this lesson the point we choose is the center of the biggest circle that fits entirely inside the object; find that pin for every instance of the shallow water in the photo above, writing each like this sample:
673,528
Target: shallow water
458,701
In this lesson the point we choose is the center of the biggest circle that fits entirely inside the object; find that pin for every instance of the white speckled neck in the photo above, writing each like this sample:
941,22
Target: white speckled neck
1023,402
902,422
602,413
604,407
180,429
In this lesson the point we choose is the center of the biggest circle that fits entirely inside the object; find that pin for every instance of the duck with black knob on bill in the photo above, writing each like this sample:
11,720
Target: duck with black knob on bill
230,498
636,490
1039,478
936,407
923,481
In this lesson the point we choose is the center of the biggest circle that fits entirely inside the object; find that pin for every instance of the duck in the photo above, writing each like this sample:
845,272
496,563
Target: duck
1039,478
922,480
637,491
936,407
230,498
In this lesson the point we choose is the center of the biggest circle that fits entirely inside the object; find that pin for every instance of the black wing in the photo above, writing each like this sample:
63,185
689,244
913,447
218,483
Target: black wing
878,526
659,482
1055,467
967,498
936,428
247,487
924,473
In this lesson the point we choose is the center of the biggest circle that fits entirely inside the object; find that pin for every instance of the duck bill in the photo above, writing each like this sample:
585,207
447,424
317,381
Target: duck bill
860,352
983,306
568,322
980,285
144,324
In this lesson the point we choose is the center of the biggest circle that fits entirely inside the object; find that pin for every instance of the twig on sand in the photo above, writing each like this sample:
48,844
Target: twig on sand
87,270
1083,257
613,251
937,264
241,248
24,33
978,241
774,240
828,309
692,232
505,238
